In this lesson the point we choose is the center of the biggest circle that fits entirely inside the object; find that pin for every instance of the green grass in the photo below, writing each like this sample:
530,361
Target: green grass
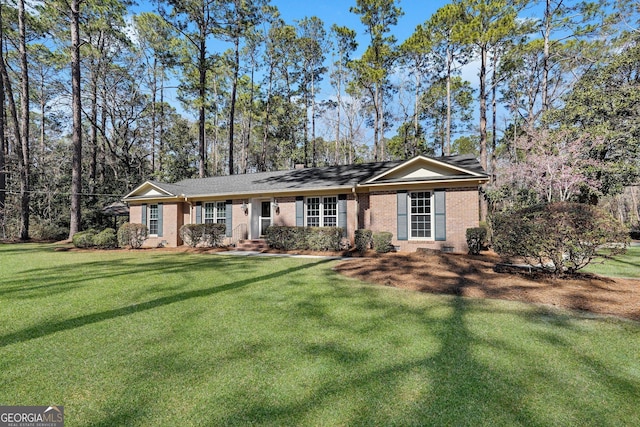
627,265
155,338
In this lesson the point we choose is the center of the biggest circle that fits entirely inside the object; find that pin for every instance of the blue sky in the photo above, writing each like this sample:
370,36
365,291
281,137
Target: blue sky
337,12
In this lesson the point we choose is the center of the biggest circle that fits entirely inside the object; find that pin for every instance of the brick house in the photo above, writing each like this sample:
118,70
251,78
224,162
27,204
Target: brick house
425,202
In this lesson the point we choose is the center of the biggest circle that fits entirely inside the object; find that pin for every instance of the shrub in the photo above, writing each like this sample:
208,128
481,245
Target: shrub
206,235
382,242
84,239
106,239
132,235
46,230
302,238
563,237
324,238
476,239
363,239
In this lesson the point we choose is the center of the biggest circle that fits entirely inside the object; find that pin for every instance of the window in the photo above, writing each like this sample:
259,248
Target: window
322,211
215,212
153,219
420,222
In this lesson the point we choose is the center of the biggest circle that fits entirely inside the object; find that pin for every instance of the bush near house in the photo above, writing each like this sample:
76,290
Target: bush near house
304,238
363,239
476,239
204,235
84,239
132,235
562,237
382,242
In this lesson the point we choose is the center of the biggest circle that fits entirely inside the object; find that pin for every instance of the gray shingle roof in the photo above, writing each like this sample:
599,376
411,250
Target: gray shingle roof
308,179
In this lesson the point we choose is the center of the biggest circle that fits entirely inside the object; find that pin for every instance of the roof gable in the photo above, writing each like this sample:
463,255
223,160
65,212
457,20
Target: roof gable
149,190
422,168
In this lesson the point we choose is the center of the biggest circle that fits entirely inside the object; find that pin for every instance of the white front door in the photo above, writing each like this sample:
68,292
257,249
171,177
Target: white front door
265,215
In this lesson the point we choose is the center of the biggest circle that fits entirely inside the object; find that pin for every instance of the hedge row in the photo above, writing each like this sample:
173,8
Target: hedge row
304,238
106,239
128,235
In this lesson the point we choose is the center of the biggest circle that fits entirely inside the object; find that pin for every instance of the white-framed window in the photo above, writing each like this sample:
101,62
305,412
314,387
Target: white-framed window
153,219
322,211
420,215
215,212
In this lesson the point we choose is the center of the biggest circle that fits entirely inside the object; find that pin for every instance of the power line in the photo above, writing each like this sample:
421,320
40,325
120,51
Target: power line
59,193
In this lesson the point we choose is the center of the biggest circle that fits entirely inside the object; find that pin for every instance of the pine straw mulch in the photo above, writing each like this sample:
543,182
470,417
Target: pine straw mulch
474,276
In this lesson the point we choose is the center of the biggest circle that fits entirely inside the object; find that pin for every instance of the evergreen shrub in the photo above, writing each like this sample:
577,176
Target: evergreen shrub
382,242
476,239
132,235
203,235
363,240
562,237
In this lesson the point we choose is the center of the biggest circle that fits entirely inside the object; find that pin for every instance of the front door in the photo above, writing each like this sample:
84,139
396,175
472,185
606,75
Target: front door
265,216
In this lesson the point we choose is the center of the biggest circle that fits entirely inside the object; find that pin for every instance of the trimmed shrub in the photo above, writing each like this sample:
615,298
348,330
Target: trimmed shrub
303,238
382,242
84,239
562,237
476,239
324,238
203,235
106,239
132,235
363,239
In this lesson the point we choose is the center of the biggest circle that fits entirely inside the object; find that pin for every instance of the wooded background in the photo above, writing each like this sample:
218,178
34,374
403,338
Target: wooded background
96,99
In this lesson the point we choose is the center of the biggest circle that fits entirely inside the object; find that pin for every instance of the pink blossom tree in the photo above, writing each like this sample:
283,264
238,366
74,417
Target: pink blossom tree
552,164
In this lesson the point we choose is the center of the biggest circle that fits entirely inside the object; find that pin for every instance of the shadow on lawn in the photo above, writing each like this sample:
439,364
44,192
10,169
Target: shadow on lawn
48,328
459,388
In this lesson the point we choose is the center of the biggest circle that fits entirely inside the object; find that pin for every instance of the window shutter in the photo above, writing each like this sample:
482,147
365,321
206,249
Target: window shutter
440,210
299,211
160,219
229,217
342,213
143,218
198,212
403,226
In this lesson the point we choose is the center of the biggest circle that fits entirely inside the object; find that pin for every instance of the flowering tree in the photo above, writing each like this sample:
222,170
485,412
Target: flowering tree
552,165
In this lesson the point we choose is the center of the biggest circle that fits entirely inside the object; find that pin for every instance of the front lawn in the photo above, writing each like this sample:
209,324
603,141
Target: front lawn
166,338
627,265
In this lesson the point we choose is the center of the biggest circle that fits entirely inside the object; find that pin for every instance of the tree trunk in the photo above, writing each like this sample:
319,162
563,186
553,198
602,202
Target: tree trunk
262,164
202,158
314,154
3,179
494,107
232,109
483,124
25,158
545,56
76,163
448,138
